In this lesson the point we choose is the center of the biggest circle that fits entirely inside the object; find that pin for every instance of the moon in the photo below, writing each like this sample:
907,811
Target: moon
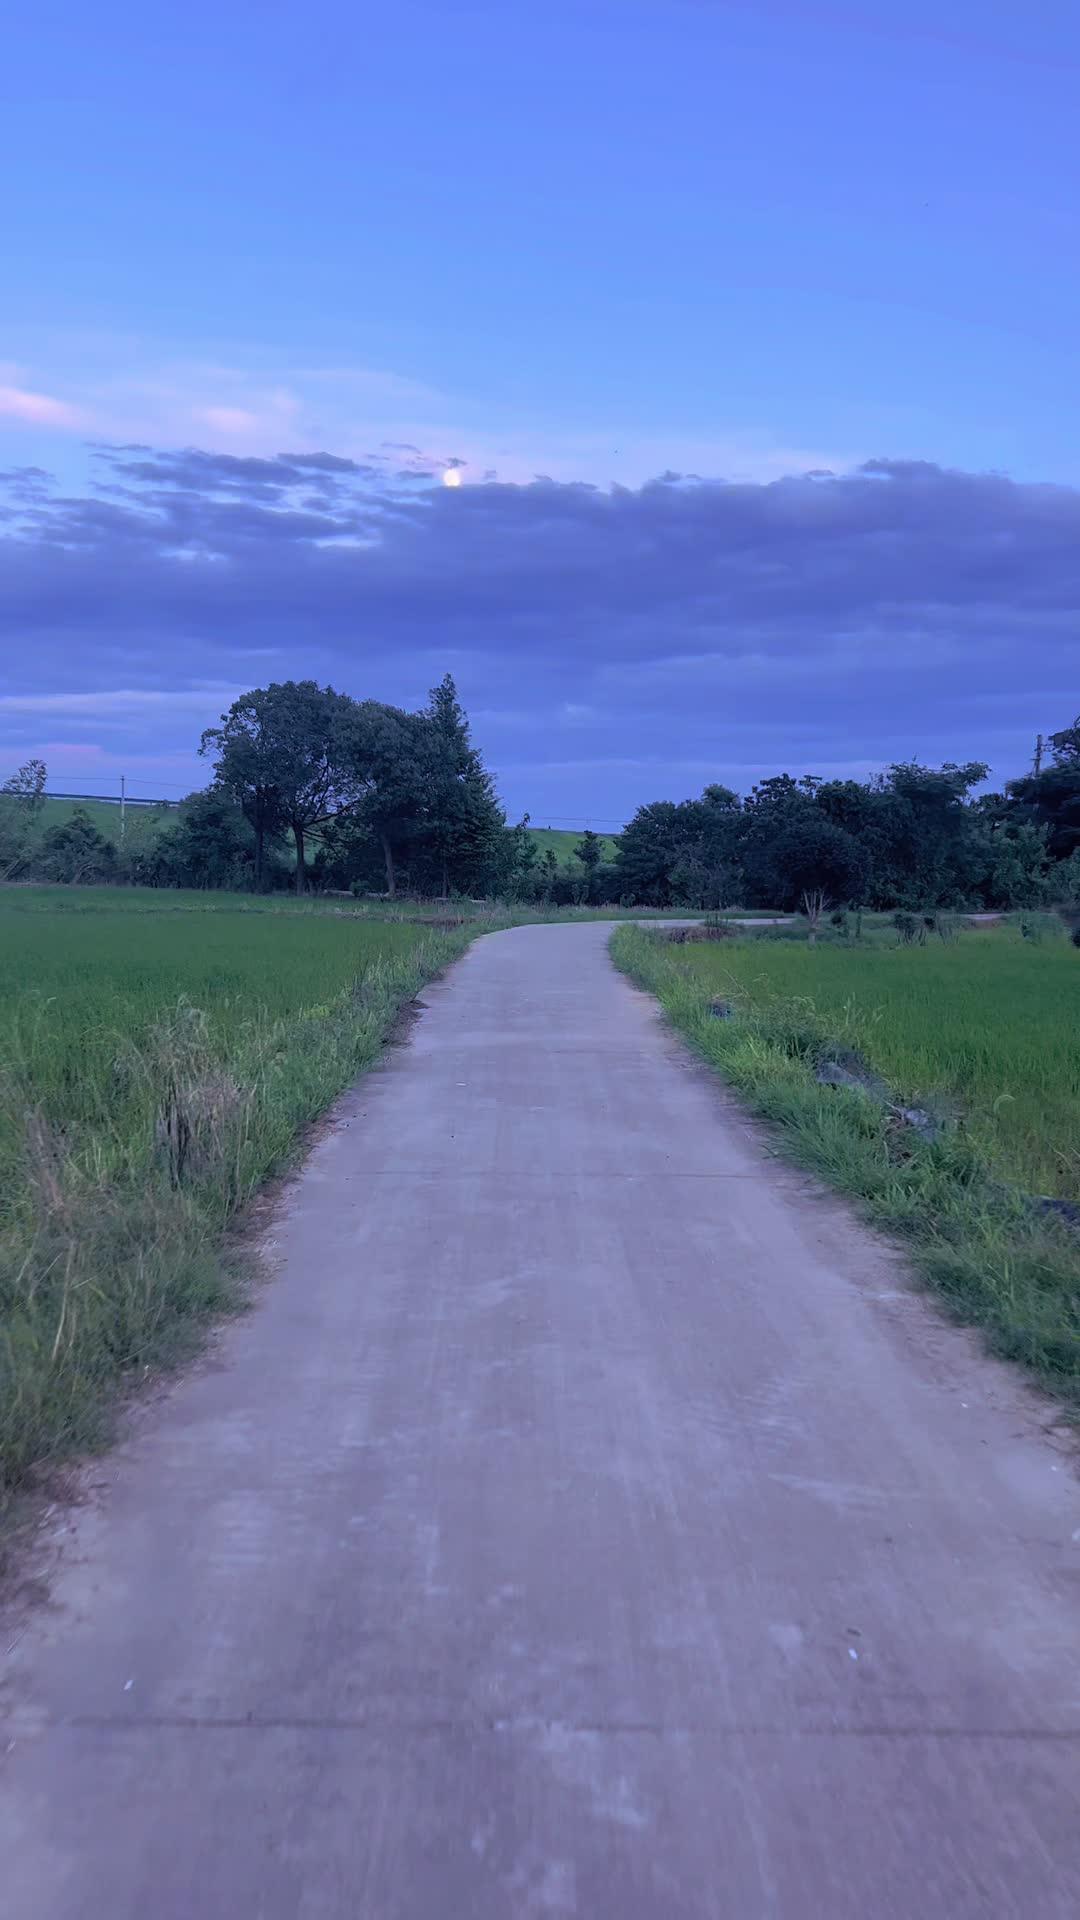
451,477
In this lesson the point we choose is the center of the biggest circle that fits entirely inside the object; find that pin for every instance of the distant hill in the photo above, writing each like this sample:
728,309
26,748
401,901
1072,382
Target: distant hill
141,828
562,842
145,823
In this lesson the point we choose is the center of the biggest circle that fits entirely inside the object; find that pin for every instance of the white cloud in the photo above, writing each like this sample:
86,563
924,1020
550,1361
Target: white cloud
122,700
257,401
40,409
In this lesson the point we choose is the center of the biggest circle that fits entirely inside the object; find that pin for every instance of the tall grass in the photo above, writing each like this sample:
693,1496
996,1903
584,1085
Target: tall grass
966,1023
153,1071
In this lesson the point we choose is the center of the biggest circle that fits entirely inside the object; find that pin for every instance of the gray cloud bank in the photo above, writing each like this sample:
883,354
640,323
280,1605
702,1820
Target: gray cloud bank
612,646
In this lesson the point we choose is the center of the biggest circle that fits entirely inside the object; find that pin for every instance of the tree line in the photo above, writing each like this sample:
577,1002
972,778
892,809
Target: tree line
911,837
312,788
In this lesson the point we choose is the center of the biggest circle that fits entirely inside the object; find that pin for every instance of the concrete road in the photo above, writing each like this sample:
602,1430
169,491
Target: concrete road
585,1521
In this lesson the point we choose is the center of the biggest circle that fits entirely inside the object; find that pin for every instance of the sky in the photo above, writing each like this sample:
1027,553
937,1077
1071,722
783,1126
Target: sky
748,331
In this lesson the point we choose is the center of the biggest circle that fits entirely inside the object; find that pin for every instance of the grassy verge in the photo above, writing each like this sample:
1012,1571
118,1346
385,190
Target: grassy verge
151,1077
995,1261
482,916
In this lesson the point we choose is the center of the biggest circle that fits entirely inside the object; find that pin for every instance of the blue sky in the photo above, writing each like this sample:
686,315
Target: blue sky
591,242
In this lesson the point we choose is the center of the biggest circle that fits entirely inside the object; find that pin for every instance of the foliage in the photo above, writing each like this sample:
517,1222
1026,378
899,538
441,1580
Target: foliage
813,855
391,793
210,844
1018,865
663,852
1050,800
280,753
75,853
465,826
247,766
1063,887
22,799
1065,745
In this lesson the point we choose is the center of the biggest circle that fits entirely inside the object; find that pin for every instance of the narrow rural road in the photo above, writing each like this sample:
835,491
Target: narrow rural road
586,1521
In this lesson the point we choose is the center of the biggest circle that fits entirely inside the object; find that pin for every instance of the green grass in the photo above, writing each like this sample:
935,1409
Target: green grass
112,900
159,1057
985,1030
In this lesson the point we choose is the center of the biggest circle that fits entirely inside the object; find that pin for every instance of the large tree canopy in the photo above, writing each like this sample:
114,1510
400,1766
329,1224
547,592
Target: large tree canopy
376,784
280,753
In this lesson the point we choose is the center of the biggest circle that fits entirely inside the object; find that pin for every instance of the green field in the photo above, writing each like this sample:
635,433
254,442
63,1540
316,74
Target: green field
983,1032
159,1055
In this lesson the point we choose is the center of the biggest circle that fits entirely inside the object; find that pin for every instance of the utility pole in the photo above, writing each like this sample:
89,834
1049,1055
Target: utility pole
123,807
1037,763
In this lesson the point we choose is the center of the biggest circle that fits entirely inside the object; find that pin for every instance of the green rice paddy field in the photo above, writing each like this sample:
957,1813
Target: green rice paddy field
159,1055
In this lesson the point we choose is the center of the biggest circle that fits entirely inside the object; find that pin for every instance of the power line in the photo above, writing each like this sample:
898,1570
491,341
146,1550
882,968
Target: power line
174,786
557,821
113,799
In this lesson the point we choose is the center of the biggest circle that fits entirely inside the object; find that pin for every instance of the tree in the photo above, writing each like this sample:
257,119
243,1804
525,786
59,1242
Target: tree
387,753
75,853
877,819
590,852
811,859
248,765
719,877
1065,745
651,847
281,751
937,847
519,859
463,823
1018,865
1051,800
812,904
772,807
685,853
1063,885
22,799
211,844
27,786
